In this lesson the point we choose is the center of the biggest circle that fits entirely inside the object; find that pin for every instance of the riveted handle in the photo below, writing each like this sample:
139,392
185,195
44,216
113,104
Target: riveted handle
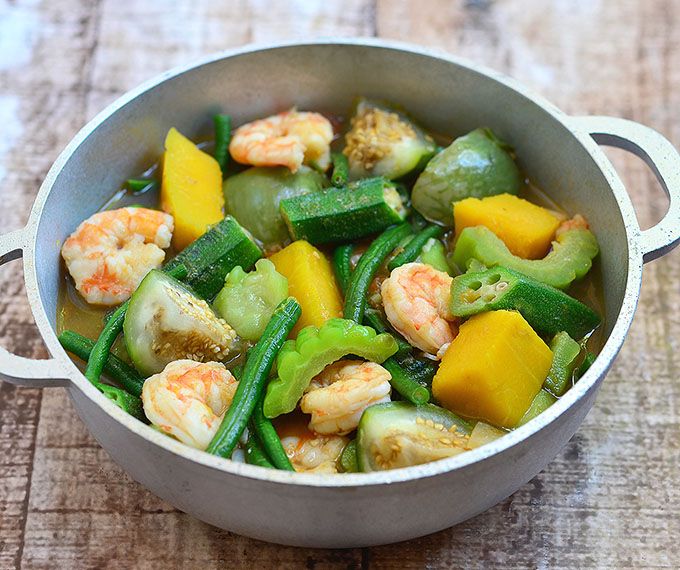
17,369
663,160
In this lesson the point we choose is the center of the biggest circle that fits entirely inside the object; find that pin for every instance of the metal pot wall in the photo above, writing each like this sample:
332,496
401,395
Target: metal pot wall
447,95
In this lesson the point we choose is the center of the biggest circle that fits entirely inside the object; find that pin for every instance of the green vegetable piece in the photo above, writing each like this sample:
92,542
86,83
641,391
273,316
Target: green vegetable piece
374,319
370,262
348,458
343,214
383,141
540,404
213,255
247,300
571,256
421,370
119,371
415,246
253,197
546,309
99,354
399,434
565,353
407,387
269,439
476,165
434,255
340,169
166,322
588,361
255,455
222,125
139,185
342,266
251,385
125,401
314,349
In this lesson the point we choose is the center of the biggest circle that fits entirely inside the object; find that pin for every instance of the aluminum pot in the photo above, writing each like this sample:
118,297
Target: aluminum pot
559,152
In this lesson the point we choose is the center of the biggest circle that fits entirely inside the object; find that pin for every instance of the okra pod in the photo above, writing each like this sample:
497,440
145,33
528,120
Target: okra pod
565,353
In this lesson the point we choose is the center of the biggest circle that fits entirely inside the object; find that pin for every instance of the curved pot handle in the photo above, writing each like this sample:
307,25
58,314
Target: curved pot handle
18,369
664,161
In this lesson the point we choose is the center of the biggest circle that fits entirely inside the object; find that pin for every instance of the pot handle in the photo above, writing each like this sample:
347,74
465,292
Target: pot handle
664,161
18,369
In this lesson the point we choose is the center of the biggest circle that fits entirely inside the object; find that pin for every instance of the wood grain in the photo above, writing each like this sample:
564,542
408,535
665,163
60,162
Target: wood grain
611,498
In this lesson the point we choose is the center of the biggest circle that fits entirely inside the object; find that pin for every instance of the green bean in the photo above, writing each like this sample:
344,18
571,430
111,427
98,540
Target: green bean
124,400
341,265
406,386
138,185
348,458
340,169
255,455
412,249
269,439
100,351
121,372
222,124
255,374
373,319
371,260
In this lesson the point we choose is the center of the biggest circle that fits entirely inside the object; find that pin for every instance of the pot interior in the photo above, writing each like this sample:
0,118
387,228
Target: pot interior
444,96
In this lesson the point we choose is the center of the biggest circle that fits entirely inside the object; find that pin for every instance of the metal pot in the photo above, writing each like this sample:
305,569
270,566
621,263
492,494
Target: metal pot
559,153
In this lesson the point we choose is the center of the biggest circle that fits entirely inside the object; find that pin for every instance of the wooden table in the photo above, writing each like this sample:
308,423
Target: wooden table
612,496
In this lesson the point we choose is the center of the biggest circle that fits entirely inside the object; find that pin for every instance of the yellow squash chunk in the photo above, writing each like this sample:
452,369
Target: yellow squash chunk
527,229
311,281
493,369
191,189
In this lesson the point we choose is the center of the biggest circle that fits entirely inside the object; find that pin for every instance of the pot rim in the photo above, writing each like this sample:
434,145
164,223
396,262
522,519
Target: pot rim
579,391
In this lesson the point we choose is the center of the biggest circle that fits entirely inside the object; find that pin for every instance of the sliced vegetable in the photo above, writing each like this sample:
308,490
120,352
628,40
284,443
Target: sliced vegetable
565,354
370,262
251,385
255,455
493,369
343,214
546,309
484,433
527,229
342,265
414,247
434,255
399,434
191,189
311,282
475,165
588,361
384,142
407,387
348,459
253,197
270,439
571,256
247,300
314,349
165,321
421,370
114,367
212,256
222,125
340,169
125,401
540,404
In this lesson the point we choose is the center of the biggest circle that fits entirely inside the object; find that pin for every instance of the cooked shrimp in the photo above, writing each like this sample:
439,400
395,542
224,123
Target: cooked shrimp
188,400
578,222
287,139
111,252
416,301
338,396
